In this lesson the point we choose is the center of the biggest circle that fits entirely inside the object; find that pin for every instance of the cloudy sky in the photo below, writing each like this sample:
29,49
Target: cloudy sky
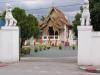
42,7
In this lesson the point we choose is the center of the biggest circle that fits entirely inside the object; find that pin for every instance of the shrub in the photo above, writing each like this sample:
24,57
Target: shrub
25,50
36,49
48,47
44,47
73,47
40,47
60,47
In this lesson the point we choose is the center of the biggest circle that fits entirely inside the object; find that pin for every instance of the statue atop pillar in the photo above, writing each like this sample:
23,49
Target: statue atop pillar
85,20
9,19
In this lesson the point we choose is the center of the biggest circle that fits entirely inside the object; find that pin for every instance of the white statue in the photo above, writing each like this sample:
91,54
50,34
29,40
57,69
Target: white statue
9,19
85,20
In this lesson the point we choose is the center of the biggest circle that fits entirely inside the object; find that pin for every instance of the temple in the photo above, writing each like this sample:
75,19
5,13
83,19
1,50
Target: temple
55,28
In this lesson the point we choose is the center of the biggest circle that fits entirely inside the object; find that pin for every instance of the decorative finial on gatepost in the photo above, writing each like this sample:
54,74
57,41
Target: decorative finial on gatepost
85,20
9,19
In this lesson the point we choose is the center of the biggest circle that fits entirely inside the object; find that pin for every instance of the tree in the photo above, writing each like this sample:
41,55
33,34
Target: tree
28,24
2,20
95,14
76,22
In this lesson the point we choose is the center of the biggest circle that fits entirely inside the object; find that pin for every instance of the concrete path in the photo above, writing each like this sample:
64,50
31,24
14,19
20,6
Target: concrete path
44,66
50,62
55,53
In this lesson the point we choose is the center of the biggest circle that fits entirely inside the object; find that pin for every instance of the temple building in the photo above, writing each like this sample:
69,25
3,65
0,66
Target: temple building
55,27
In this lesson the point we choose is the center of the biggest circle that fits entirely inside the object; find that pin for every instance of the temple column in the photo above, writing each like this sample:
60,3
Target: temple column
65,34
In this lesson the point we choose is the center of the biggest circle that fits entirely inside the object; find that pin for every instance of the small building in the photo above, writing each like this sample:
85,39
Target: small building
55,28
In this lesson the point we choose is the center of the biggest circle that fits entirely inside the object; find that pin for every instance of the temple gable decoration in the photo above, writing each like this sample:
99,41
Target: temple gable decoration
55,26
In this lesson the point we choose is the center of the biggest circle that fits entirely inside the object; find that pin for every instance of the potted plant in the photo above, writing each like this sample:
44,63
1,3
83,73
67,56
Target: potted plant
60,47
40,47
36,49
48,47
25,51
73,47
44,47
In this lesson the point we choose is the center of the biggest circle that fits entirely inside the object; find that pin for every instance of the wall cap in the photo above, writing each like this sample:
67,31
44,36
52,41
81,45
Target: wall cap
84,28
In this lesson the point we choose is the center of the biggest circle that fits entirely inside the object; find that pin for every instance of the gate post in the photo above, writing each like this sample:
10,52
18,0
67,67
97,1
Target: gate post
84,45
9,44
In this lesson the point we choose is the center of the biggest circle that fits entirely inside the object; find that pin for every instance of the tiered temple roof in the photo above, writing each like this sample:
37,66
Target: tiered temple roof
56,19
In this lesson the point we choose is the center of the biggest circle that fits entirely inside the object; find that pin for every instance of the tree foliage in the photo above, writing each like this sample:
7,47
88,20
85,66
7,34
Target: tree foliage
76,22
28,24
95,14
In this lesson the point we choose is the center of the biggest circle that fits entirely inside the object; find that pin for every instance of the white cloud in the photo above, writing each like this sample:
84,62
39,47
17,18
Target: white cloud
71,13
44,3
35,4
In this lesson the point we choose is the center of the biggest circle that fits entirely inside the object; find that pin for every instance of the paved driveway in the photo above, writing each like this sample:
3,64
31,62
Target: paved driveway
64,63
55,53
44,66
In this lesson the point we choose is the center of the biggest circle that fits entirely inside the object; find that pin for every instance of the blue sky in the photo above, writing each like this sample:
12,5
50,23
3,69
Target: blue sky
71,7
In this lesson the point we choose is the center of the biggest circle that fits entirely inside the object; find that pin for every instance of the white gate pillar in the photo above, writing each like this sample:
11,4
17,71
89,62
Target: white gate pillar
84,45
9,44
